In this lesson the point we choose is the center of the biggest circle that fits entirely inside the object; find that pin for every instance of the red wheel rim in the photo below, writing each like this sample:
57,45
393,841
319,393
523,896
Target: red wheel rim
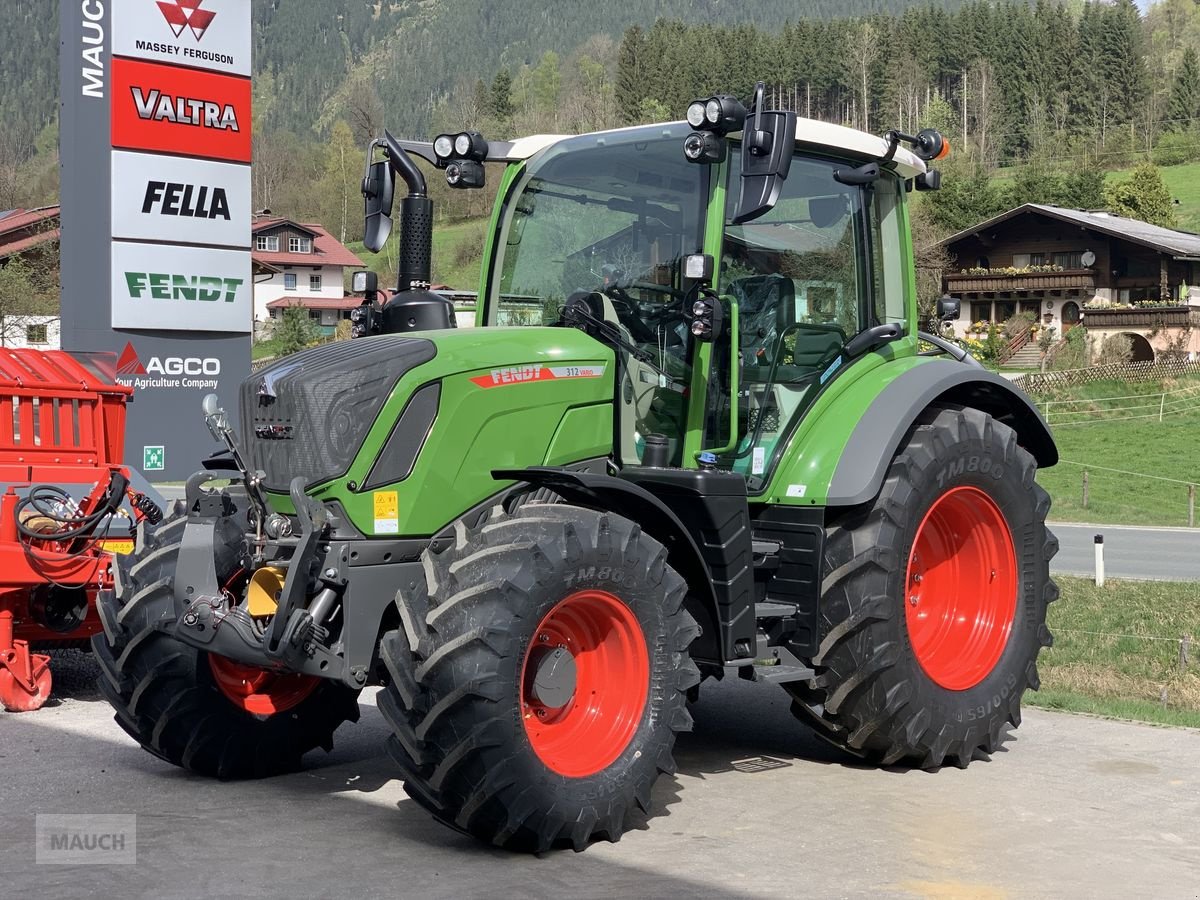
961,588
260,691
612,681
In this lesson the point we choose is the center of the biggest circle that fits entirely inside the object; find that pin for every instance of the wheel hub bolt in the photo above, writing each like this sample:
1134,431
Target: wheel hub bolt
912,599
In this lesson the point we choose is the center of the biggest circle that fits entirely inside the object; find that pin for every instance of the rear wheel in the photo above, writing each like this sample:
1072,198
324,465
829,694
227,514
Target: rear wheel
540,677
934,600
206,713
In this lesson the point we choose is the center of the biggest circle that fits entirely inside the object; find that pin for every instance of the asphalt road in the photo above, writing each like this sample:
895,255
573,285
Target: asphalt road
1072,807
1170,554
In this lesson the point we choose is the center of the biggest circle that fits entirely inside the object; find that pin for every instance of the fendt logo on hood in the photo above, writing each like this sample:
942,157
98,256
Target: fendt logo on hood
181,14
160,371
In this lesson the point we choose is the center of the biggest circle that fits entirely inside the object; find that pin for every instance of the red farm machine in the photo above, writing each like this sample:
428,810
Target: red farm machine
63,510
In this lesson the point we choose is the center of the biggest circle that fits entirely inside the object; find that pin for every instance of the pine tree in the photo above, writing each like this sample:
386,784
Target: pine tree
1185,94
1143,196
631,85
501,100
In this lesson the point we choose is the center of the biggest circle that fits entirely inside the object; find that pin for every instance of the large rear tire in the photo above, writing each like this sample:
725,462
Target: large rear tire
540,677
934,600
206,714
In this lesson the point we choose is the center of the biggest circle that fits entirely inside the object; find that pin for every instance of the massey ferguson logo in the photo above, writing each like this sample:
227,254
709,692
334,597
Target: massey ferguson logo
162,371
181,14
159,107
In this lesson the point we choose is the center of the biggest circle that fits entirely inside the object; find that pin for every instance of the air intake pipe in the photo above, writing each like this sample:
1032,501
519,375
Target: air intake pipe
413,307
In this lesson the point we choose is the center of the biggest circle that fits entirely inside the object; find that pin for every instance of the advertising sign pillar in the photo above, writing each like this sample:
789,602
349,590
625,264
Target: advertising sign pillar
156,209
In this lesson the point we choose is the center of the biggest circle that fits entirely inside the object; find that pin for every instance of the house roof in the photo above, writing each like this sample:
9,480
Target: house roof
327,250
22,229
1179,244
316,302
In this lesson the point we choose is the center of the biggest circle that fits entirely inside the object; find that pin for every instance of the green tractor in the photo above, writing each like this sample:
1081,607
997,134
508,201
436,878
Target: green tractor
696,433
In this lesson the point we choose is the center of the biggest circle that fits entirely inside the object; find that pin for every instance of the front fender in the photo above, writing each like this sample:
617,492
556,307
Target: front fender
884,424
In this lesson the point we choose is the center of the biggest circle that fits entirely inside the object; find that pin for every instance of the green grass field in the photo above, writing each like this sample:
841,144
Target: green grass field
1100,433
1117,651
457,251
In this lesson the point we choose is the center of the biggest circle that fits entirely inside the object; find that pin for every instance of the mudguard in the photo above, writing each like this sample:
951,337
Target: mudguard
716,643
876,438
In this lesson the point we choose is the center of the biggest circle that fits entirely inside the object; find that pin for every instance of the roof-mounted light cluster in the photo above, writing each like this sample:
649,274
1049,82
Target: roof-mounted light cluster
462,156
712,118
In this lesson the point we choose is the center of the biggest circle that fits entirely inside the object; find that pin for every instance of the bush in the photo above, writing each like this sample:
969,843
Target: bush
1115,350
294,331
1015,324
1075,354
1175,148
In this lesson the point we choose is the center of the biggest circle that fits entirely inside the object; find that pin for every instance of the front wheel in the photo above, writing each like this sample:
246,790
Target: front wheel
205,713
934,600
540,677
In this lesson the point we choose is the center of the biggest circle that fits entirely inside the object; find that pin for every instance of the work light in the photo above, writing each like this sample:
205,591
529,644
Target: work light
704,147
443,146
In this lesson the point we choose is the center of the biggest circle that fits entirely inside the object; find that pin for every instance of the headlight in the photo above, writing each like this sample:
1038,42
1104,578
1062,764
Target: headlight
695,114
712,111
462,144
443,146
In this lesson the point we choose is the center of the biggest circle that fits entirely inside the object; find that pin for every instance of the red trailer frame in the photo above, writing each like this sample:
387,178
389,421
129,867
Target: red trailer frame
62,422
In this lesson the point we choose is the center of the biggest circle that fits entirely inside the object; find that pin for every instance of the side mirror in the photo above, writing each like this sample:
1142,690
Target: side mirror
768,142
215,418
378,188
947,309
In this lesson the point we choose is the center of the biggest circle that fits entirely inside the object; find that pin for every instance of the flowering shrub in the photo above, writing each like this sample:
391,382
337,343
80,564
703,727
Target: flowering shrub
1098,303
1010,270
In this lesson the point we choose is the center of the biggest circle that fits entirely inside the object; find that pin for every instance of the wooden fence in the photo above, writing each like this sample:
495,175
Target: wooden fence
1046,382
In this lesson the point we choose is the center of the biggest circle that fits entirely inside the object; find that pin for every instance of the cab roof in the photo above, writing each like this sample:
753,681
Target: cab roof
810,133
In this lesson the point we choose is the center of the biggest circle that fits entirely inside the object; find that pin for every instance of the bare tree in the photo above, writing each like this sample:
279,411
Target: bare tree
864,50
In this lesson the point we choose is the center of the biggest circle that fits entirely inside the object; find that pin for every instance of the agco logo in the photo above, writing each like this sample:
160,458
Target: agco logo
130,364
181,14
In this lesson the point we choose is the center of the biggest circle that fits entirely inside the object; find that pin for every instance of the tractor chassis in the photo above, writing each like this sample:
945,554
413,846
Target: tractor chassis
361,575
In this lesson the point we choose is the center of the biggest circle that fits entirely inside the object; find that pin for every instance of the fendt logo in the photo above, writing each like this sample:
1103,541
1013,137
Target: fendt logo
156,106
165,286
173,198
181,14
158,371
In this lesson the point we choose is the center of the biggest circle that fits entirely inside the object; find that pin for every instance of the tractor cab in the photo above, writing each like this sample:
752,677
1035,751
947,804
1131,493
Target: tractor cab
630,236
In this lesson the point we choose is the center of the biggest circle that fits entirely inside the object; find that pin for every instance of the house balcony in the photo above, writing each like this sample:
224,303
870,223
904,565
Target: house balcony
1000,282
1143,317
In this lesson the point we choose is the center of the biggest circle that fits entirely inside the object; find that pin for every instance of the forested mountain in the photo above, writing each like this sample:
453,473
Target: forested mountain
414,50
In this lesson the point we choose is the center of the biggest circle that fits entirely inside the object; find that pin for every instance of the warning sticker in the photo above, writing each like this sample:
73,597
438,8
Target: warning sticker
120,546
387,512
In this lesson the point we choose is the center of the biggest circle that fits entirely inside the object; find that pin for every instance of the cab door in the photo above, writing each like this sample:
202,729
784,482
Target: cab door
825,263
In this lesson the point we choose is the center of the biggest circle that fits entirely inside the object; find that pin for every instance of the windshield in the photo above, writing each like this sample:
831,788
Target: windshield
607,218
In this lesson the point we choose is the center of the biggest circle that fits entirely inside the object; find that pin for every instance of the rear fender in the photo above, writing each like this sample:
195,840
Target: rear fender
893,413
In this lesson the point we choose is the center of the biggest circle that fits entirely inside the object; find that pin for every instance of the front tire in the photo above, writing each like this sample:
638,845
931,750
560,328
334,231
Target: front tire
204,713
934,600
540,677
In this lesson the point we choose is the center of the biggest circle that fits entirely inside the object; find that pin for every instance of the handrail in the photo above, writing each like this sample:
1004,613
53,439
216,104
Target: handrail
1015,344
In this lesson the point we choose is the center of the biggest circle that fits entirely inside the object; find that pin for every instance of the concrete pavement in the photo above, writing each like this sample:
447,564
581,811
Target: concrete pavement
1072,806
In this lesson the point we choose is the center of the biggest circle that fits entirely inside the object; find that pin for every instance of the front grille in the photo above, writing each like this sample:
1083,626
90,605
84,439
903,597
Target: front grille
309,413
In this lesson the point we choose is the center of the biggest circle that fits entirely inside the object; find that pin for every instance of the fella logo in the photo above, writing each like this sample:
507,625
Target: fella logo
171,198
181,14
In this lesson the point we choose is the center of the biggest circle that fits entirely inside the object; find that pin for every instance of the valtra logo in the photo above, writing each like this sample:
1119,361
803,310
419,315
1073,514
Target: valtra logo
181,14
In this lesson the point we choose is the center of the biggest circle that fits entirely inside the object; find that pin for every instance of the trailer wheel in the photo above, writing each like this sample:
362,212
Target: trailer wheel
934,600
540,677
204,713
